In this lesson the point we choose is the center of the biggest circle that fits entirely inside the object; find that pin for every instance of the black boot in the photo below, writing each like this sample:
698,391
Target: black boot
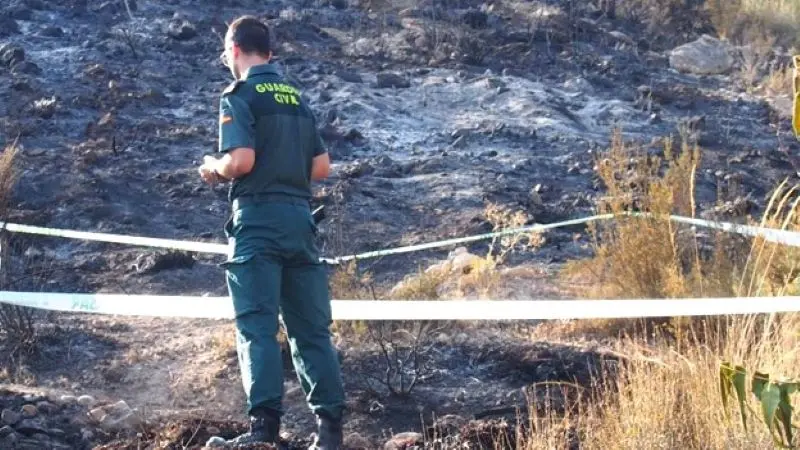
329,434
264,428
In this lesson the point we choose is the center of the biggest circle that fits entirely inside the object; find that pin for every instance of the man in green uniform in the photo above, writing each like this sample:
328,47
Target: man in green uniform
272,152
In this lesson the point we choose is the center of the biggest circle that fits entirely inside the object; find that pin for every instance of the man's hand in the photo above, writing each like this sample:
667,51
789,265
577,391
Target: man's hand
320,167
208,171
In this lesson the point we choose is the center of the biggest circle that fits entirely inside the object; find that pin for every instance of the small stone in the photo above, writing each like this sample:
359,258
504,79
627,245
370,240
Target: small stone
392,80
11,440
26,67
153,263
11,55
29,411
10,417
216,442
403,441
490,154
35,4
21,13
536,199
68,400
87,434
52,31
86,400
119,408
46,407
98,414
704,56
5,431
622,37
57,433
181,30
30,427
350,77
475,18
8,26
356,441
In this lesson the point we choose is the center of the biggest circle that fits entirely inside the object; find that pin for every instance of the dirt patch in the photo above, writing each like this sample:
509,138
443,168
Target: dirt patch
181,378
186,434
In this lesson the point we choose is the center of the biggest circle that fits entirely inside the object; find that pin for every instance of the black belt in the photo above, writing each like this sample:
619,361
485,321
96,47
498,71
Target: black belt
256,199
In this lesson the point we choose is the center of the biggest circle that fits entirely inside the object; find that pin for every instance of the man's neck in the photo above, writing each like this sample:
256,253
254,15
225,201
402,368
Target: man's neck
250,64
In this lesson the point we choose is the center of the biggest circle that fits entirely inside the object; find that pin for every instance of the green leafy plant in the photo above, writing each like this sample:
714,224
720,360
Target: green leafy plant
772,395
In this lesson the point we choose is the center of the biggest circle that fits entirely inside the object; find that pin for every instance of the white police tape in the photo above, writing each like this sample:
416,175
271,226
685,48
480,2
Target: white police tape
193,246
791,238
474,238
466,310
209,247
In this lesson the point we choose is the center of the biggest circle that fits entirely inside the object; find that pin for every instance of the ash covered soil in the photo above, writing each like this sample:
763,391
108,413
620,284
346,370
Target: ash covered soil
430,111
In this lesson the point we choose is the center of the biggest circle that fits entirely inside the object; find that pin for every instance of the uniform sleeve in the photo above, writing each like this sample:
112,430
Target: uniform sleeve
236,124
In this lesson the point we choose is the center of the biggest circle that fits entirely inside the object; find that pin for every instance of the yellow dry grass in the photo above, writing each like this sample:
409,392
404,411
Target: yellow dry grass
665,393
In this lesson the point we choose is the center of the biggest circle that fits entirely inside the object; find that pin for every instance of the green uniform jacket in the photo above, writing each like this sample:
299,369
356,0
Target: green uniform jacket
265,113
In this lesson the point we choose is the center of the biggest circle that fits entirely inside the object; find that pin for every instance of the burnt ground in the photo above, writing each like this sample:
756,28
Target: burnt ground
471,377
113,114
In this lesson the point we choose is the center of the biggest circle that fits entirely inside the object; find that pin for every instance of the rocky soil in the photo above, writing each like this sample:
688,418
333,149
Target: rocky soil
430,110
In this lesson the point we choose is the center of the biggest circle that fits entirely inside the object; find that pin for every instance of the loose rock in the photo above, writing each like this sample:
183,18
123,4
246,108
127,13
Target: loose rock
45,407
30,427
29,411
51,31
11,55
705,56
115,417
215,442
26,67
10,417
68,400
350,77
390,79
148,263
403,441
86,400
475,18
181,30
8,26
356,441
20,12
622,37
11,440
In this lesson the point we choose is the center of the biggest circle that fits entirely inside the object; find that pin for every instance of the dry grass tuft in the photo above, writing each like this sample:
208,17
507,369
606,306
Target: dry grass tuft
643,257
740,19
8,175
666,395
665,391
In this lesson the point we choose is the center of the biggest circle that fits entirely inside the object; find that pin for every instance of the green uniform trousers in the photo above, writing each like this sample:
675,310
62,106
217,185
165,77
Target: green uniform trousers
273,265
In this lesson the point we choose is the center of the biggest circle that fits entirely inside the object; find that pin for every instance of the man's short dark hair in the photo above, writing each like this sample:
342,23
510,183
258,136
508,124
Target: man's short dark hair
251,35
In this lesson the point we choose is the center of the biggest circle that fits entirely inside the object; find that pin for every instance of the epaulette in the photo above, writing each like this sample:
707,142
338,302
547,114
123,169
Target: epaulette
232,87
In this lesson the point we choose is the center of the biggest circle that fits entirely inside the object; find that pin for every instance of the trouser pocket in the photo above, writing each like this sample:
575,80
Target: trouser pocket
241,274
